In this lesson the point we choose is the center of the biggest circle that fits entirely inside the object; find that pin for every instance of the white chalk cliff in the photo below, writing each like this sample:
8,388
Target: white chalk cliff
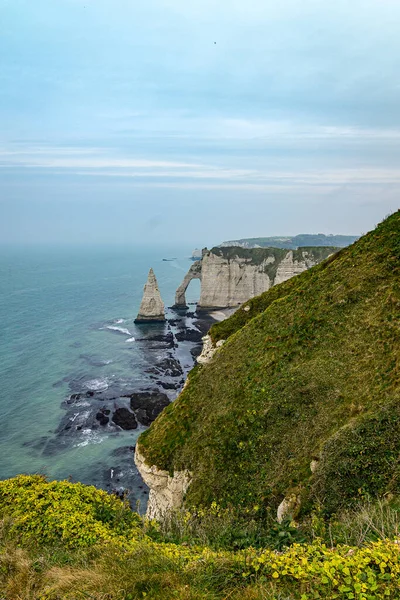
229,277
152,307
290,266
208,350
166,492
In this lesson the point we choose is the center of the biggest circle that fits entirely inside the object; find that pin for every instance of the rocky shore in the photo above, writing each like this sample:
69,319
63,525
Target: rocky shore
97,409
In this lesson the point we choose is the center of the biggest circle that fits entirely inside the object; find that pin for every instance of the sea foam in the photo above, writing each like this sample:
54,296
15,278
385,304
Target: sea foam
90,438
96,385
119,329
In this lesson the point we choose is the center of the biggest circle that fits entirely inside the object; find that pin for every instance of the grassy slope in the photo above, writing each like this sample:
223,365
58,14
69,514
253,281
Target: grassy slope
312,371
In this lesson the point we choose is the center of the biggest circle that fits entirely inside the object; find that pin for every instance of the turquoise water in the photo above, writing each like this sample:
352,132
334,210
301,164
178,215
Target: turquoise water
55,307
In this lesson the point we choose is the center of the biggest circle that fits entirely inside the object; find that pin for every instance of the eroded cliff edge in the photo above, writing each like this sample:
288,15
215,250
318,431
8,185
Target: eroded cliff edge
166,492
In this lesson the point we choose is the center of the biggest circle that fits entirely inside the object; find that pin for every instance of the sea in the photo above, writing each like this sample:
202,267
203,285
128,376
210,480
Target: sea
67,325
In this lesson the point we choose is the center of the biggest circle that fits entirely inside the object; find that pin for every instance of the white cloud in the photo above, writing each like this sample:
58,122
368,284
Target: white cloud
267,175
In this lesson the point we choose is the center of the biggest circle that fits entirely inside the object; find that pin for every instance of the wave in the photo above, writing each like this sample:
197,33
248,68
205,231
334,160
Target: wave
119,329
119,321
97,385
132,339
91,438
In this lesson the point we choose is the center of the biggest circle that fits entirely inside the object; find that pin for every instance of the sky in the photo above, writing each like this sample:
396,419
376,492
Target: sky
124,121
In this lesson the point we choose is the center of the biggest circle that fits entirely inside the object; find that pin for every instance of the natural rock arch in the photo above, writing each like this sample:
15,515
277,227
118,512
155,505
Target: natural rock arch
193,273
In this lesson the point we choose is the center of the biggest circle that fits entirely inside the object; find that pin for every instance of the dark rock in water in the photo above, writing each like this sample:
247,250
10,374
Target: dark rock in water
179,310
196,351
102,418
125,478
79,396
123,451
124,419
153,370
204,324
142,416
189,335
168,385
166,339
148,405
171,367
175,321
162,346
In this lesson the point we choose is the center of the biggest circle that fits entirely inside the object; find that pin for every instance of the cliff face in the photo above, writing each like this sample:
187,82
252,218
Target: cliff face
231,276
228,283
152,306
291,266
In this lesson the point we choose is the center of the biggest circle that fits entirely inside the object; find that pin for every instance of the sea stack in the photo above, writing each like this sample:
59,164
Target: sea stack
152,307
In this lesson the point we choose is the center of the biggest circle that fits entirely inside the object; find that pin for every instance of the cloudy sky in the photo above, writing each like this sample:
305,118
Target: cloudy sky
197,120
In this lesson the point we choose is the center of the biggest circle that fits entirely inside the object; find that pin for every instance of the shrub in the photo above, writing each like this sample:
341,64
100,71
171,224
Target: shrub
59,511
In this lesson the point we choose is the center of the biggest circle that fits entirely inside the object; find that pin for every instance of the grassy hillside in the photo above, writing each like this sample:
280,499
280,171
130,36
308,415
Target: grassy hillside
310,373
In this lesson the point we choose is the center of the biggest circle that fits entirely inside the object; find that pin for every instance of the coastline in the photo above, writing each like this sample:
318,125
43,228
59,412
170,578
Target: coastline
170,351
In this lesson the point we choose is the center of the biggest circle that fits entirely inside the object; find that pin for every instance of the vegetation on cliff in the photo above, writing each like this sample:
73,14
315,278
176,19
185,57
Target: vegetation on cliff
256,256
60,540
309,374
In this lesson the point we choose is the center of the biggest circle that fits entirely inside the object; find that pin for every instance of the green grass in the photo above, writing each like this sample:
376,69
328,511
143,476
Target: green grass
310,372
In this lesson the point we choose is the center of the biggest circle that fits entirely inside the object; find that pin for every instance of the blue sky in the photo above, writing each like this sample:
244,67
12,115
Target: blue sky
123,121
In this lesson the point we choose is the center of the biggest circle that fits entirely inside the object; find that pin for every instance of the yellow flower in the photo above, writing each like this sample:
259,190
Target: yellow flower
275,574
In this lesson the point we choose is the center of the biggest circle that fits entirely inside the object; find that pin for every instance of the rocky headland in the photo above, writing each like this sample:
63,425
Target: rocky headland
230,276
